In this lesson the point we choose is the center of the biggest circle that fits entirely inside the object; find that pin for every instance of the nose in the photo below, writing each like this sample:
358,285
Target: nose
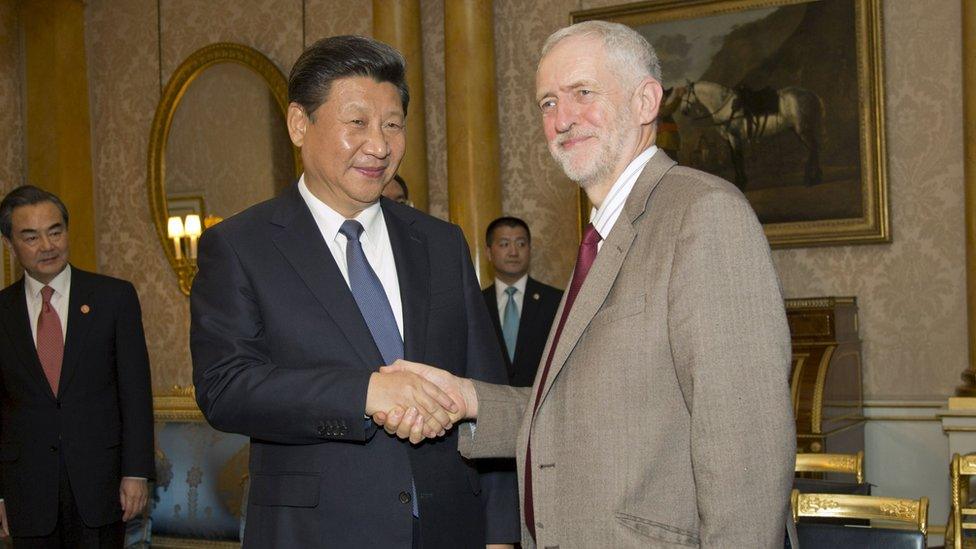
46,243
377,144
565,116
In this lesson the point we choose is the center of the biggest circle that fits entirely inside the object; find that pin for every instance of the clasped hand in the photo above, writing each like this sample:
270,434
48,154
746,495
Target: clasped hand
415,401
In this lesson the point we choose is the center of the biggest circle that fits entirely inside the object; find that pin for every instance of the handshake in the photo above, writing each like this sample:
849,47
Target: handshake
415,401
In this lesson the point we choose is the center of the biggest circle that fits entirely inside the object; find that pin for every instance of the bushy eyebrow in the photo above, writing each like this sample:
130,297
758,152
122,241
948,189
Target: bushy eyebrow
574,86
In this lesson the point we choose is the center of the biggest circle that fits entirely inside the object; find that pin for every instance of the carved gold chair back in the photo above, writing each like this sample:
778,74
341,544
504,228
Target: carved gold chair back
911,513
962,512
832,463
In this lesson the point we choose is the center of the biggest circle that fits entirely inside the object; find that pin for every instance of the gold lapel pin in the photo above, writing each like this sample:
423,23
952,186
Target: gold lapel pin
85,309
535,297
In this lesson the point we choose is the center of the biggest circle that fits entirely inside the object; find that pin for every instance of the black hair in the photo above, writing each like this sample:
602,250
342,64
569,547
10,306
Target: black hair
403,185
337,57
26,195
507,221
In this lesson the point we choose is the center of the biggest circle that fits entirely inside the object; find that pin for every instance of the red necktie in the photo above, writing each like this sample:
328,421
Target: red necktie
584,260
50,341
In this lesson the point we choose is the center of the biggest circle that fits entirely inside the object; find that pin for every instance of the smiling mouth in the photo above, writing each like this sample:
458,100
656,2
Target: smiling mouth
570,142
372,172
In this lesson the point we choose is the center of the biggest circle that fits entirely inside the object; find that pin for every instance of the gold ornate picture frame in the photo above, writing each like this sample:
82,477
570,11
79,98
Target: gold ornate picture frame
784,98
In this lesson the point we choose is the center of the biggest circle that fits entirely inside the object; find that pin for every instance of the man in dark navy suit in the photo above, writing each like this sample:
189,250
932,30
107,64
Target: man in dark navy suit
520,307
300,300
76,434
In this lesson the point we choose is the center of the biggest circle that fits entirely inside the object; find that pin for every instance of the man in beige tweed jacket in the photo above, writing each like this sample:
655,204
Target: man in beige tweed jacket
664,417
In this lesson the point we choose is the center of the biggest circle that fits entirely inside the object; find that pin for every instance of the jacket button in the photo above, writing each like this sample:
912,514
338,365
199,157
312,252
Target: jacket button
404,497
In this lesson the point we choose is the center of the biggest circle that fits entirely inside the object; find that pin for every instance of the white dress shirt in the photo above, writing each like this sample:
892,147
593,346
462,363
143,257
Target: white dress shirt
375,240
61,285
605,217
502,297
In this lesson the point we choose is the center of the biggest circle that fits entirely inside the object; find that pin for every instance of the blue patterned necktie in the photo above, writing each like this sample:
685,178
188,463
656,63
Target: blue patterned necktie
370,296
375,308
510,324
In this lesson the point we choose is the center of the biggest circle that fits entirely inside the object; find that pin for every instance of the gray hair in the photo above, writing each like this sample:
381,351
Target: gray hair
632,55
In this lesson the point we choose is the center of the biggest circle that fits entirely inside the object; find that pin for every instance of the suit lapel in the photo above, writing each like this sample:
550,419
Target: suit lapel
413,273
18,328
605,269
79,323
300,241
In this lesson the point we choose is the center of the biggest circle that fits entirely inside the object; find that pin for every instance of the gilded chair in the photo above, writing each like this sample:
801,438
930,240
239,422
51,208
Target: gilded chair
832,463
895,523
962,468
816,465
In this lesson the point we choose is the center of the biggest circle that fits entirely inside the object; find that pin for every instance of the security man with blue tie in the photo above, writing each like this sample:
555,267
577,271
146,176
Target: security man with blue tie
521,308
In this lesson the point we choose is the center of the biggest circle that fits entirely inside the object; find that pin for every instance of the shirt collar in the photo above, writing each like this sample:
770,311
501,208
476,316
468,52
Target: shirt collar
604,218
519,285
59,283
329,220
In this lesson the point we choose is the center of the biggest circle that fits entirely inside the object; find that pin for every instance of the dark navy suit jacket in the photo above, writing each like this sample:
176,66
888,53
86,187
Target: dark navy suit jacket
282,354
539,307
100,423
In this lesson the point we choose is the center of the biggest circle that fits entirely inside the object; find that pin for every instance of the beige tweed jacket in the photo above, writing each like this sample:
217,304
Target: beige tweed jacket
665,420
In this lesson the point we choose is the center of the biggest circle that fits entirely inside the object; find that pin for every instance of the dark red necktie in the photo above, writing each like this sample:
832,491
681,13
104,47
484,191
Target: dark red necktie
584,260
50,341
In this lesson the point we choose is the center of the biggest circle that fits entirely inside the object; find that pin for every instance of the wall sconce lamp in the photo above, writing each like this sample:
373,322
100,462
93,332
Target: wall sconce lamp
184,233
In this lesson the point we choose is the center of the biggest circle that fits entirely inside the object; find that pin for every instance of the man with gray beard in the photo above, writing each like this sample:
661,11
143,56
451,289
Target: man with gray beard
660,416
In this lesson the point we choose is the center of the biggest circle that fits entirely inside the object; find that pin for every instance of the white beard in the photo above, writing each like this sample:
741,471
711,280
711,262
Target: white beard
603,160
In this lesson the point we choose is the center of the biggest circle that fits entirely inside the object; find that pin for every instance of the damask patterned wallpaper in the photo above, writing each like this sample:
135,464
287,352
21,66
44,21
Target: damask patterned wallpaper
911,292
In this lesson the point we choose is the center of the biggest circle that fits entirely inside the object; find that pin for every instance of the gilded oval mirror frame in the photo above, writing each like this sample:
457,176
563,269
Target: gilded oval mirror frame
176,88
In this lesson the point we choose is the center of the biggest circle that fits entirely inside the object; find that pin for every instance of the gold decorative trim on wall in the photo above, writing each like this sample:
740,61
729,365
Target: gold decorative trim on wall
166,542
177,404
186,73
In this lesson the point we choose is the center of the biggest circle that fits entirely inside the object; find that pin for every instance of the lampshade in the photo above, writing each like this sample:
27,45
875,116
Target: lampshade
175,227
192,227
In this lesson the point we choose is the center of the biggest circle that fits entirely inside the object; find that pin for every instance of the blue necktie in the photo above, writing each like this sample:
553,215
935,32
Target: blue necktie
510,324
370,296
375,308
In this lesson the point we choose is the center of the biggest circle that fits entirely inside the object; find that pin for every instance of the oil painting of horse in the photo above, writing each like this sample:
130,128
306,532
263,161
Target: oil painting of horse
782,98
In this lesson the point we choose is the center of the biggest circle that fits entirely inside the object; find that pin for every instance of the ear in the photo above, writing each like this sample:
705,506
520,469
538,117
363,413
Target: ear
648,98
297,123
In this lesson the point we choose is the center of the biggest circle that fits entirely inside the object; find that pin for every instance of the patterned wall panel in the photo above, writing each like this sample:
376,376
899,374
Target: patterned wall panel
274,28
334,17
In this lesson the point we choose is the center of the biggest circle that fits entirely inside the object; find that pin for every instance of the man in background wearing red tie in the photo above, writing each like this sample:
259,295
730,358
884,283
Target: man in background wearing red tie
660,416
76,433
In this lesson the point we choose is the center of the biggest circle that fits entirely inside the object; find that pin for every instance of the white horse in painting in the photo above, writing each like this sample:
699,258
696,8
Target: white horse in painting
738,120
